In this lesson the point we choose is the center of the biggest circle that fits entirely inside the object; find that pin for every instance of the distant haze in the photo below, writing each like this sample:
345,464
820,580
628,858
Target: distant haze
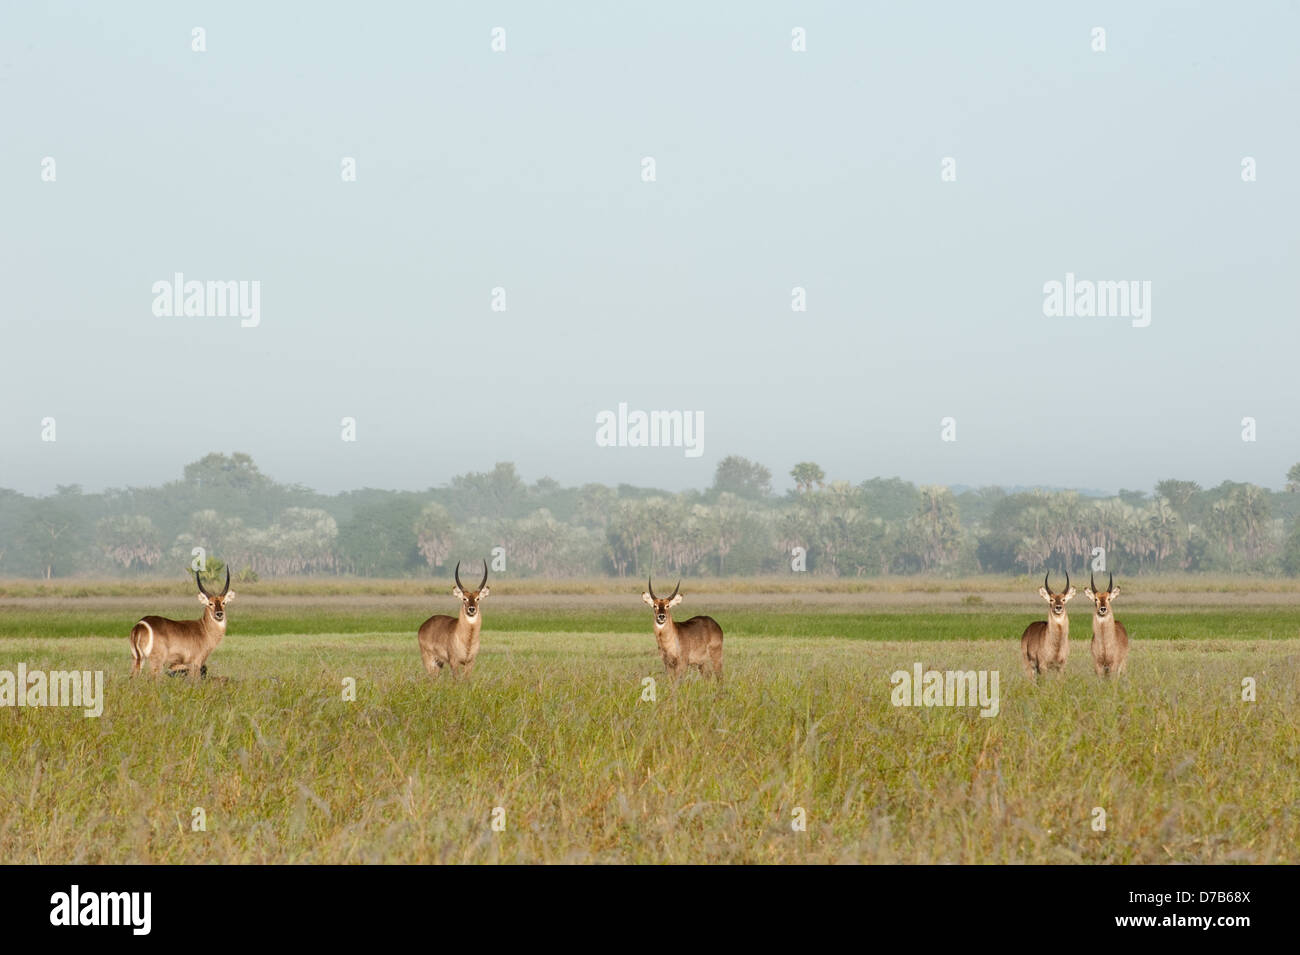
774,169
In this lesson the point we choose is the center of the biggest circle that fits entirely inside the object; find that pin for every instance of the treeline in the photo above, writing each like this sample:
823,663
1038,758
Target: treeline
738,526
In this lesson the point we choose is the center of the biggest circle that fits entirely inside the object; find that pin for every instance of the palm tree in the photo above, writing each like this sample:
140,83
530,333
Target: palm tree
806,474
726,525
434,534
935,530
1165,528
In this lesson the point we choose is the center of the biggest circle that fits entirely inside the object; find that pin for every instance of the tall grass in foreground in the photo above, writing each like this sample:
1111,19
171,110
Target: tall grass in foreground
553,730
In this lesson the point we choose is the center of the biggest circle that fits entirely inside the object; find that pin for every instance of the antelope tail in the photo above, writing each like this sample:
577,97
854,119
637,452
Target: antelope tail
137,651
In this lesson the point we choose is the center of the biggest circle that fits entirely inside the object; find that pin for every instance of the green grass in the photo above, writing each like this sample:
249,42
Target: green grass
552,729
247,620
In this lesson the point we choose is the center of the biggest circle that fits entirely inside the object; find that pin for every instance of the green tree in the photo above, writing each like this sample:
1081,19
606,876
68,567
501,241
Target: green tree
498,493
379,539
435,535
664,520
1291,553
623,537
1166,533
129,540
596,504
724,527
1178,493
237,472
54,532
806,474
303,540
742,477
1293,479
933,535
891,499
218,535
1240,520
540,544
832,526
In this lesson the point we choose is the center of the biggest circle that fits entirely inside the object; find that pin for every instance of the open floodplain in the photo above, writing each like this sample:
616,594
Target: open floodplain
557,749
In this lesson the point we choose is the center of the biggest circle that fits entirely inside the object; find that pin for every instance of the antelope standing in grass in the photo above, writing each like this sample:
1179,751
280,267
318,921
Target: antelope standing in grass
182,645
691,643
1109,638
1045,644
453,641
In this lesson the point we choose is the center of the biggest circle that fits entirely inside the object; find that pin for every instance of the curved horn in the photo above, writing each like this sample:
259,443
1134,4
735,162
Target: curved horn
1092,583
1045,586
1067,582
1110,587
649,583
199,580
675,589
484,583
458,583
227,590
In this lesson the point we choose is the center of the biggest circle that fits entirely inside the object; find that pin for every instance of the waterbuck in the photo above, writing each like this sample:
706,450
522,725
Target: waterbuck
1109,638
691,643
453,641
182,645
1045,644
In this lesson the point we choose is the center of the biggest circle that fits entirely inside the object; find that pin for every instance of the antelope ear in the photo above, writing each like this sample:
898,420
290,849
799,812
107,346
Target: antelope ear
646,597
1070,593
1042,592
1114,593
457,592
676,600
484,592
1087,592
204,600
229,597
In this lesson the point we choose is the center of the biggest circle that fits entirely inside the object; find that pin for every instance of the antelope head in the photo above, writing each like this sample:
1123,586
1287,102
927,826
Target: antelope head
470,598
1102,598
1057,601
661,605
215,604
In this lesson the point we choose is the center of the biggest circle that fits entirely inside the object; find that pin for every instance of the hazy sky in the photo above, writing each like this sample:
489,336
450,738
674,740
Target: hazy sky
774,169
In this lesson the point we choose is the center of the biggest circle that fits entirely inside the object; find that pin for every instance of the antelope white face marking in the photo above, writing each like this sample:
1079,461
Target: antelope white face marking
1056,601
661,606
1102,599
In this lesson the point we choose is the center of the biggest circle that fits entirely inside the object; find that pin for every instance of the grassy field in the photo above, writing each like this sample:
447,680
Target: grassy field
554,732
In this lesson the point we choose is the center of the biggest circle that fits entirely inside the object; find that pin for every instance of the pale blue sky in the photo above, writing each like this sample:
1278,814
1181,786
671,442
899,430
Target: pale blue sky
775,169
